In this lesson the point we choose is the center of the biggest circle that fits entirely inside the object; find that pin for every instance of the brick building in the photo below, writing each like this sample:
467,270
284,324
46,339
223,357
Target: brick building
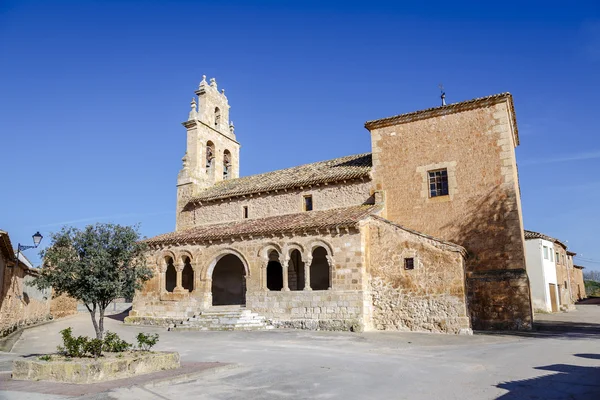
424,233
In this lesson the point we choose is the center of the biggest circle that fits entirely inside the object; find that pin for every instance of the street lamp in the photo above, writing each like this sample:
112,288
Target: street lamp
37,238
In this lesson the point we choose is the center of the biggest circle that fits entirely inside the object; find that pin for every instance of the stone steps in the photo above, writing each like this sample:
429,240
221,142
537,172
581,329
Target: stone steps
223,318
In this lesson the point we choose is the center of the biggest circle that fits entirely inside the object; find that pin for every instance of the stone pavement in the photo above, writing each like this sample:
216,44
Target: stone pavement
546,364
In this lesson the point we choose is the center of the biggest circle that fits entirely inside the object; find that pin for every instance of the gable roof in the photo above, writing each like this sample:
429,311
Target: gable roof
448,109
536,235
330,171
336,218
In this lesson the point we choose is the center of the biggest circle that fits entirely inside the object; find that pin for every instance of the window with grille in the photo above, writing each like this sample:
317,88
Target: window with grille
438,183
409,263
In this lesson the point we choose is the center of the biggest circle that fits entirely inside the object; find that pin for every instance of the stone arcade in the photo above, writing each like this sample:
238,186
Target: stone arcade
425,233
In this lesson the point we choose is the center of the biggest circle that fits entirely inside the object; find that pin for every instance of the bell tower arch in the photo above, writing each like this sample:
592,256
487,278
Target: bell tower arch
212,151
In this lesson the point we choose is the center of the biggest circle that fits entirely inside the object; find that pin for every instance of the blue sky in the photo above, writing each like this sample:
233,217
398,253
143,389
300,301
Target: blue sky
93,94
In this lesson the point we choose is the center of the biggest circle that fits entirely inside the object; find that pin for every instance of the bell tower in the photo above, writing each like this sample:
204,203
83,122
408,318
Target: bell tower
212,153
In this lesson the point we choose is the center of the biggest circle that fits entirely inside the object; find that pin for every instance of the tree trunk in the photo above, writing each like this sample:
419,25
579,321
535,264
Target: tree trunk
93,315
101,322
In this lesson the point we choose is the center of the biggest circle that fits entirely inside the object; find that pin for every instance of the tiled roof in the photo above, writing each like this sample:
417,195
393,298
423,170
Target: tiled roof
311,220
447,109
536,235
338,169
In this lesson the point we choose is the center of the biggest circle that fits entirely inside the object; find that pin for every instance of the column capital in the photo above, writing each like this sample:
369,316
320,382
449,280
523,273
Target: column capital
179,267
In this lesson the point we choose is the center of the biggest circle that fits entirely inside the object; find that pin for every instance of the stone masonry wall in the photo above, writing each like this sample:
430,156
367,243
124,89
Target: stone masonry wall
290,202
341,305
482,211
431,297
62,306
21,304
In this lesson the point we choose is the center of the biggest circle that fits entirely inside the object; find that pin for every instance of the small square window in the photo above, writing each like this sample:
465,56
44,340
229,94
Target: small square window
438,183
409,263
245,212
308,203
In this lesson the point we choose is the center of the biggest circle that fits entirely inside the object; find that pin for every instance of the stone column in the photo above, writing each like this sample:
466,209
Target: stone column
284,268
330,263
307,263
178,286
162,279
263,275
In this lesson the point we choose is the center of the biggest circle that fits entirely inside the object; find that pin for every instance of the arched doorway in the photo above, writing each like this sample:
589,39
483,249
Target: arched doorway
229,281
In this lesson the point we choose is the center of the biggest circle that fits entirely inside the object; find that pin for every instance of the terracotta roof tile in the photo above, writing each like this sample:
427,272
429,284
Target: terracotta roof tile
447,109
326,219
338,169
536,235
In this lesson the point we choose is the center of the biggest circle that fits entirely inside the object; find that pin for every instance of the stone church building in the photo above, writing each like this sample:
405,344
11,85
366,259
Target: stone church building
424,233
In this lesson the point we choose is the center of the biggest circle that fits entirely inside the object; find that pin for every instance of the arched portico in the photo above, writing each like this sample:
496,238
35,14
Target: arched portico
228,274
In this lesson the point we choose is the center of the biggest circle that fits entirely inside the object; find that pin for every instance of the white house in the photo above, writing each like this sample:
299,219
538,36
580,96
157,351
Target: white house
541,269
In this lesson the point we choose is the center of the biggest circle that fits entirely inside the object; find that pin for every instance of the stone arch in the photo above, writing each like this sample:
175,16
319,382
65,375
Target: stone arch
210,155
274,271
183,253
227,164
217,117
162,256
187,274
320,243
170,274
289,247
320,269
266,249
228,280
211,266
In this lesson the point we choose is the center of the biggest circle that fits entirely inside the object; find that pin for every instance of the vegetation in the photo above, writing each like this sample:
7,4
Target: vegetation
95,265
592,288
83,346
146,342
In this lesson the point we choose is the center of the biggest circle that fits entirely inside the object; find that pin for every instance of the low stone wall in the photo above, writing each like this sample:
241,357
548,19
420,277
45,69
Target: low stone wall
318,310
91,371
152,321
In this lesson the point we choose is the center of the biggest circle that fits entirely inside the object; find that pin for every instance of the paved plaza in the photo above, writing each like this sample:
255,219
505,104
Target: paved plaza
560,362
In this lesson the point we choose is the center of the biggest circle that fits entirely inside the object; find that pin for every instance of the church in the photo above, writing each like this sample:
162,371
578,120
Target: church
425,233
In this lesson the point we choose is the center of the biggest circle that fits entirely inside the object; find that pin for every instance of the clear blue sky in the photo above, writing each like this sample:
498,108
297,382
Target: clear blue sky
93,94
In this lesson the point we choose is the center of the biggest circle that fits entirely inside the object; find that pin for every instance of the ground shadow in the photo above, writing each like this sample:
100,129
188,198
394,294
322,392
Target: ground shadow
569,382
553,329
120,316
590,300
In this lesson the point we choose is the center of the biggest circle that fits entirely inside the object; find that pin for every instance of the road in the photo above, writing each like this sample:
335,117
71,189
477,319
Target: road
560,362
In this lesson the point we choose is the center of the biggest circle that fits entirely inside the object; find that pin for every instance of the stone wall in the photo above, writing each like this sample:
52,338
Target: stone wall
62,306
482,211
20,304
283,202
578,284
563,273
430,297
317,310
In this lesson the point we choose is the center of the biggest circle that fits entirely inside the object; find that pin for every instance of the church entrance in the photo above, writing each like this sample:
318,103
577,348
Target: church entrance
229,282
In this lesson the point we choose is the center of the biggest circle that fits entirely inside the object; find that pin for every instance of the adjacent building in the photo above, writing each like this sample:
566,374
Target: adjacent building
423,233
